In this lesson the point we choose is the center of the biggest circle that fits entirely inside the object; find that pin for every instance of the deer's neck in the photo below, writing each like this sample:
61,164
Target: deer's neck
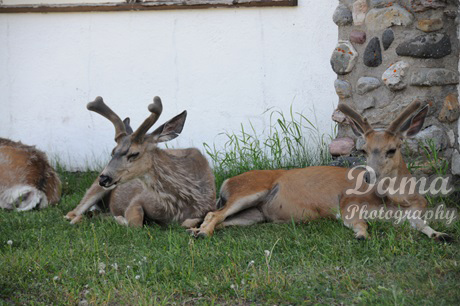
171,181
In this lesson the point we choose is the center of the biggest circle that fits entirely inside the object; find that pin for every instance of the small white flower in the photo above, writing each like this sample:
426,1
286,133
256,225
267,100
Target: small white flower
267,253
101,266
251,263
232,286
83,302
115,266
128,267
9,242
101,272
137,277
56,278
144,258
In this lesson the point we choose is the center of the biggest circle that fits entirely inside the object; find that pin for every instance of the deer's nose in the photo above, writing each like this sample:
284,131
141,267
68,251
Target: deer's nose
104,180
367,177
371,178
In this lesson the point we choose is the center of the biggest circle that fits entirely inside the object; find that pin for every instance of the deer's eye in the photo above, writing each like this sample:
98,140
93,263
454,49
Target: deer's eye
132,156
391,152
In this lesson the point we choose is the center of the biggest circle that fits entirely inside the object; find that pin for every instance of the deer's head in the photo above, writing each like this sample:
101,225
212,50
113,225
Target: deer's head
133,155
383,147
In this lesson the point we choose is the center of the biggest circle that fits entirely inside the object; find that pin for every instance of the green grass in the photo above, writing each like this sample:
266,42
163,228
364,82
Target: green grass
289,142
100,262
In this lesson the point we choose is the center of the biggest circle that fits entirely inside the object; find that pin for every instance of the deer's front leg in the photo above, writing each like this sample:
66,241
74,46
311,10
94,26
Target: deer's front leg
134,214
207,227
414,208
94,194
351,212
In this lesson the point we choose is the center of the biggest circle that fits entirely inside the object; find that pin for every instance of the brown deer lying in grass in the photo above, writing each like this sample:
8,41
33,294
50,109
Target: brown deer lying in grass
27,180
145,183
320,192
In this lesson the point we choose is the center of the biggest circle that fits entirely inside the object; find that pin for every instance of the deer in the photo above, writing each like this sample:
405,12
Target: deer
318,192
143,183
27,180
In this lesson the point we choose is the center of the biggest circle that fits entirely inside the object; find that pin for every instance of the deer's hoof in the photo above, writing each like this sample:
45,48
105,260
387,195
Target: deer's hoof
121,220
192,231
197,233
202,235
361,237
77,219
70,215
441,237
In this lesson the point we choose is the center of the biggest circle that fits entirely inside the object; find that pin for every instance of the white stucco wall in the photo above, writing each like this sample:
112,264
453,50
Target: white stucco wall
224,66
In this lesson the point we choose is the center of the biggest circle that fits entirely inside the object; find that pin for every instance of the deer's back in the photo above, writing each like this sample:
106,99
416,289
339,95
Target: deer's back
302,194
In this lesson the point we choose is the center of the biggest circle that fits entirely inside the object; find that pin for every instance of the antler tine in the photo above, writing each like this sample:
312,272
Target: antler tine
350,112
408,111
102,109
155,108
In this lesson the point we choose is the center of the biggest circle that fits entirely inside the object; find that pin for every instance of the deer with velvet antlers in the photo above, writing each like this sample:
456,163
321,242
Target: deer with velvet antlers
27,180
321,192
143,183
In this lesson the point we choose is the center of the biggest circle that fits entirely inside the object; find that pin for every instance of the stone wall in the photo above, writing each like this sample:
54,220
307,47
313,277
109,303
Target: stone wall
390,53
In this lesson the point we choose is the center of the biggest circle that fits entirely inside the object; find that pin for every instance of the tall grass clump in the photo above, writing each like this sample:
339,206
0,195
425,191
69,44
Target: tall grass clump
291,141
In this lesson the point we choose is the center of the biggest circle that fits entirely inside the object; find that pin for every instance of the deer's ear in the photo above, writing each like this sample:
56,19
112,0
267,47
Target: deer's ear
169,130
414,124
356,128
129,129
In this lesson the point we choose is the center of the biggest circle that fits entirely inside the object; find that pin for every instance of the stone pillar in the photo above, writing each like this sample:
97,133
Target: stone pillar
392,52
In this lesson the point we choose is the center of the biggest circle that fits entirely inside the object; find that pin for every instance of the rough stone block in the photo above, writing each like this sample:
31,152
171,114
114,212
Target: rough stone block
433,77
338,116
455,163
423,5
366,103
366,84
380,3
434,45
373,53
434,133
450,110
430,25
388,37
342,88
341,146
342,16
358,37
344,58
382,18
359,12
393,77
